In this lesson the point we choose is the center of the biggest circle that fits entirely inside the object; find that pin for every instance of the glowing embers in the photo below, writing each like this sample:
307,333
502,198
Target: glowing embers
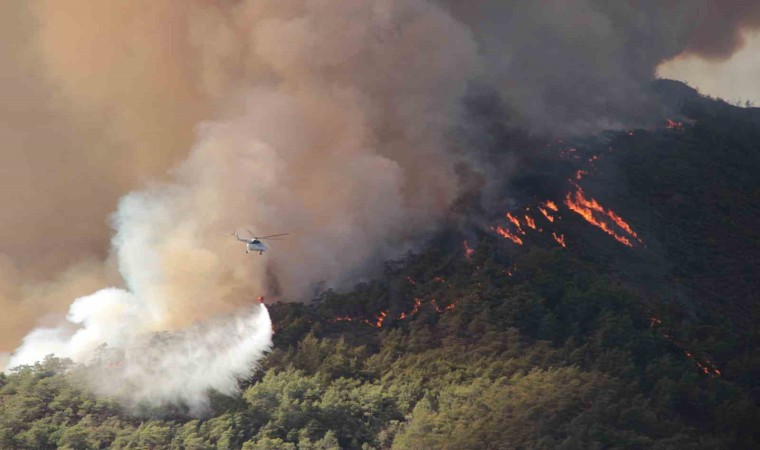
602,218
379,320
704,365
413,311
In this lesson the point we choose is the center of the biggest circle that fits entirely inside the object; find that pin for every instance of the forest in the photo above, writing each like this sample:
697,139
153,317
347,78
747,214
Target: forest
477,342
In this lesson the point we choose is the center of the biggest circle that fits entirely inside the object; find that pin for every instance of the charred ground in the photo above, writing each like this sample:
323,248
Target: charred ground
483,342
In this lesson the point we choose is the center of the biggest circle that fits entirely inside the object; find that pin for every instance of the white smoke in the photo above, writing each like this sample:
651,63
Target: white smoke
154,369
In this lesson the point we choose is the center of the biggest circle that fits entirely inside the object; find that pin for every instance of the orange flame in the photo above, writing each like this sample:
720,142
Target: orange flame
530,222
380,319
414,310
546,214
546,207
560,239
516,222
584,207
611,214
507,235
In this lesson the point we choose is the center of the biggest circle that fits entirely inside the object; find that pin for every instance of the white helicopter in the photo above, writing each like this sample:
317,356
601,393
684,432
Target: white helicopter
254,243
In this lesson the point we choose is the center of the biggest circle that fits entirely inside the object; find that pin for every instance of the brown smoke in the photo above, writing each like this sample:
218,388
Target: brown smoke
95,101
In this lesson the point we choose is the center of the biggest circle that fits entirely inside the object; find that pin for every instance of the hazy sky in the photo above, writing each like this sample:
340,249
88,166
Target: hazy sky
736,78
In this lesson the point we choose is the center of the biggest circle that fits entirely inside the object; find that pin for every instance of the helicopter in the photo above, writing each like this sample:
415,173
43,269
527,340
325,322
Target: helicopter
254,244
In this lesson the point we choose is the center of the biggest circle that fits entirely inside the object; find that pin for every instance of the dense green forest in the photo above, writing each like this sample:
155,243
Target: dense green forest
495,345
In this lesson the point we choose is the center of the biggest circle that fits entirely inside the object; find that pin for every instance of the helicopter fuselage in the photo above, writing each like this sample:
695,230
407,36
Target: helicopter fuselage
255,245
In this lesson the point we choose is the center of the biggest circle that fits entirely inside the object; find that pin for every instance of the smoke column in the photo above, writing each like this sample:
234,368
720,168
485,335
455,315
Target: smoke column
339,122
329,139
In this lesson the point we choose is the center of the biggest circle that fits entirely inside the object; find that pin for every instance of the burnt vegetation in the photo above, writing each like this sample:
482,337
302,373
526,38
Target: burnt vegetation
478,342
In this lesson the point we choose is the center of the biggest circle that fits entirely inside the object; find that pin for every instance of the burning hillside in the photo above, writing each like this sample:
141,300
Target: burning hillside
520,222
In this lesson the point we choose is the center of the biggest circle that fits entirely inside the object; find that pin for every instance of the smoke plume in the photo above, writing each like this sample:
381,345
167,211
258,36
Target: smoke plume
341,123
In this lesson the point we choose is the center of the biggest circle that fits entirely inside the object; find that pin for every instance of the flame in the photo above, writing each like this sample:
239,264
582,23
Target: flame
560,239
413,311
578,203
611,214
546,214
439,279
622,224
507,235
580,174
380,319
546,207
411,280
530,222
516,222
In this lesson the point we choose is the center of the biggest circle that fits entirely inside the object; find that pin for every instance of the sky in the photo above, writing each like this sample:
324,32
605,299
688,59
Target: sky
736,78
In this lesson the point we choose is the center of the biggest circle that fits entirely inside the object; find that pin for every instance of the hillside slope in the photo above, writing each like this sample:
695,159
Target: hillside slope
569,338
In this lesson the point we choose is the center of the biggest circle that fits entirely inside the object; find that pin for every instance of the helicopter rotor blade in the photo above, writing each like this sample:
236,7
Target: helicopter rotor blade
274,235
251,233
